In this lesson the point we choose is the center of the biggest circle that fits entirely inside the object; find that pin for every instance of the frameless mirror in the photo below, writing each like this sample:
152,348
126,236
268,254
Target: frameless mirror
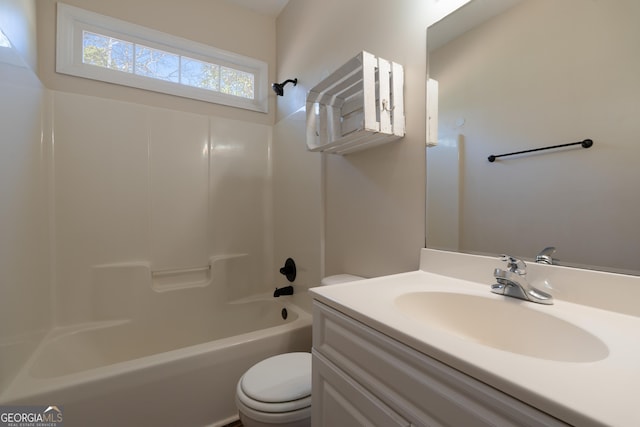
517,75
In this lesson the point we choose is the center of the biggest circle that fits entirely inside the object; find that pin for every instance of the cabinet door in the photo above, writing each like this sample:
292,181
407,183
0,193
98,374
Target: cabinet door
340,401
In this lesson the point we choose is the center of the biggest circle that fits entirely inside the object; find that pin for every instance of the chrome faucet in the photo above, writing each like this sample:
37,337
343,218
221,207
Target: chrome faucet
513,282
544,257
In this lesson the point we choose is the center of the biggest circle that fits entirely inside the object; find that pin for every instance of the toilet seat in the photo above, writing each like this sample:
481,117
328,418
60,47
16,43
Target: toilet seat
279,384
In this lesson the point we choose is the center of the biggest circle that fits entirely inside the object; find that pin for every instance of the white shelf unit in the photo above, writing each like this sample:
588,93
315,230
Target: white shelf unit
360,105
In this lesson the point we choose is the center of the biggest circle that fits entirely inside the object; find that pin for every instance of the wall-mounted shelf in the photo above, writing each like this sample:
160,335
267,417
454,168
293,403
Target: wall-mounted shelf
360,105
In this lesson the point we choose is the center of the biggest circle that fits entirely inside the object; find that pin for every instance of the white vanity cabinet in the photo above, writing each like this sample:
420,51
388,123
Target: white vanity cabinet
363,377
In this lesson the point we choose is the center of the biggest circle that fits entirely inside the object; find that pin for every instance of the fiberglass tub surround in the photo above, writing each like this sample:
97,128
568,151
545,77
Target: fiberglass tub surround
162,291
552,357
150,342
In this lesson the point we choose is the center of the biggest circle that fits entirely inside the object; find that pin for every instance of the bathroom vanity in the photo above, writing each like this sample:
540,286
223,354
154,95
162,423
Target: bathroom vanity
361,374
436,347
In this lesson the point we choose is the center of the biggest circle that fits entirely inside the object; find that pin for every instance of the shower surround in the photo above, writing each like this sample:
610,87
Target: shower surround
137,228
134,183
160,231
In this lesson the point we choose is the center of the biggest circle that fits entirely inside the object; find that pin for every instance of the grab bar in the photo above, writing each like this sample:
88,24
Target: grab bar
168,272
585,144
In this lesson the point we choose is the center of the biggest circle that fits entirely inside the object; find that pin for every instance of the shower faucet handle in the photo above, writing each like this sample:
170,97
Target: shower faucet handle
289,269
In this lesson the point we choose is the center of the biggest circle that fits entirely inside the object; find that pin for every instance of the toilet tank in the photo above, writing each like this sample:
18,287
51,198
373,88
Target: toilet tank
339,278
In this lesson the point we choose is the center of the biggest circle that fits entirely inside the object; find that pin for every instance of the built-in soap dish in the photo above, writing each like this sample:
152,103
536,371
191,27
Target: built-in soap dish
172,279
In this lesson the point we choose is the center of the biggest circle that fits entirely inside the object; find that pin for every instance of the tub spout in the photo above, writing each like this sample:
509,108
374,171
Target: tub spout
287,290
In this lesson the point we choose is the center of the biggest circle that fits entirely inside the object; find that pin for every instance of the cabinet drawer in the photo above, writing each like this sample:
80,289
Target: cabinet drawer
338,400
423,390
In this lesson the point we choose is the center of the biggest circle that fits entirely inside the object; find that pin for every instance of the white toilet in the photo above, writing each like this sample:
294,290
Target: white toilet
277,390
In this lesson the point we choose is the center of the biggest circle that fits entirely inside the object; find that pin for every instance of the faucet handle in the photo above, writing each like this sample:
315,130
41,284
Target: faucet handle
514,264
545,256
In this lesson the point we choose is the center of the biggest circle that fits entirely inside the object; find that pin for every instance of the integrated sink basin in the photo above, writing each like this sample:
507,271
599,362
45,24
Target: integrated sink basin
503,323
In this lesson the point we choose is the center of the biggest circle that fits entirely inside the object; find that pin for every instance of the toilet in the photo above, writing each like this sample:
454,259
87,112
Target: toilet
277,390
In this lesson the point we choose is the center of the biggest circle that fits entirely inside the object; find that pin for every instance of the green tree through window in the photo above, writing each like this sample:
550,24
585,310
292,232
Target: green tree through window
119,55
107,52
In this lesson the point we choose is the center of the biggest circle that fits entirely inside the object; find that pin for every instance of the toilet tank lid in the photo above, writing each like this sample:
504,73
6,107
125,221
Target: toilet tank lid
282,378
339,278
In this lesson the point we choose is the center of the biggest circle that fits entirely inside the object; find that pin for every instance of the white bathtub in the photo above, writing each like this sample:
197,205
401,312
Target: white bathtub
163,371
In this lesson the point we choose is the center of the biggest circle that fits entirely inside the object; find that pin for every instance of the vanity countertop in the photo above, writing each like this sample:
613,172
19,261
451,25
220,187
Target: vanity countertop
585,393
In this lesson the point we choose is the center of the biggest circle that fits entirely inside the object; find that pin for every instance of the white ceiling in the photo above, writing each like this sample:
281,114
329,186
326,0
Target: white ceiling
263,7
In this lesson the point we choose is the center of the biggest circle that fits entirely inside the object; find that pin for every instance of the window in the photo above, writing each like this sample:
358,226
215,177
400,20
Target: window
4,41
102,48
8,53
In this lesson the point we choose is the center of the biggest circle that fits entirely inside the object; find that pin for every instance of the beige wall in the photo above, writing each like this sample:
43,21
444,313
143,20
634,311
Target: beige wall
373,215
25,297
215,23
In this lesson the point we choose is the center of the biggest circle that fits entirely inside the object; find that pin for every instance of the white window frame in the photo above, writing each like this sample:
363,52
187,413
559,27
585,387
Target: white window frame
73,21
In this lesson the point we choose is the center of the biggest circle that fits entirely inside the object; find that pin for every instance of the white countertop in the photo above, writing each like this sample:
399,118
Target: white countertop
604,392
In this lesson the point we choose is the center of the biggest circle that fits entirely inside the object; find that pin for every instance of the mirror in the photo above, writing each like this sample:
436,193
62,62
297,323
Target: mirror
518,75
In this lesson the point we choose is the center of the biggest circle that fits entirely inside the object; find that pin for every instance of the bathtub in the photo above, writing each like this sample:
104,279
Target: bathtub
172,370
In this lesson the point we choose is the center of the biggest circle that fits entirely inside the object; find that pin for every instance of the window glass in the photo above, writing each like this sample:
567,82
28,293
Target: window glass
200,74
4,41
236,82
107,52
157,64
